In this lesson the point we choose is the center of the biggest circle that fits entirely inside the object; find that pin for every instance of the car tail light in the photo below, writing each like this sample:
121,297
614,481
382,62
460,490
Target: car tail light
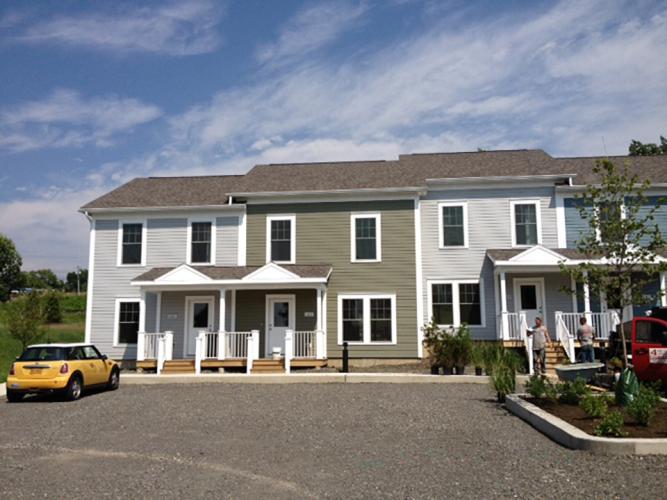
64,368
11,370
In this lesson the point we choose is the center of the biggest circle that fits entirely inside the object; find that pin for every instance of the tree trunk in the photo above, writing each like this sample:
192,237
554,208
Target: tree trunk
625,347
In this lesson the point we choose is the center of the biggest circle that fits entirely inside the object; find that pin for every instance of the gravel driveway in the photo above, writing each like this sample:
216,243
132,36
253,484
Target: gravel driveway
299,441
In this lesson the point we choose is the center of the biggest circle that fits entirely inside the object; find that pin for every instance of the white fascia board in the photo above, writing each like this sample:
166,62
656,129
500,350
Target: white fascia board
176,208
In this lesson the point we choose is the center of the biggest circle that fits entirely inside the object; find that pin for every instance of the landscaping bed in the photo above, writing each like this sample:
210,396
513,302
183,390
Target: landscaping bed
574,415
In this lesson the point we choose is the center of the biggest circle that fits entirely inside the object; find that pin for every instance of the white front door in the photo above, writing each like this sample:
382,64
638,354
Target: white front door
198,317
529,299
280,318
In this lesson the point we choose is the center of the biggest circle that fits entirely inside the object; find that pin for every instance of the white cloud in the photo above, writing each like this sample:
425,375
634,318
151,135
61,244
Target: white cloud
177,28
67,119
312,28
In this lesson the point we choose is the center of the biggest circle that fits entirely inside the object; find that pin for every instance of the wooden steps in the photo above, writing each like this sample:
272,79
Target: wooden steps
268,366
555,355
179,366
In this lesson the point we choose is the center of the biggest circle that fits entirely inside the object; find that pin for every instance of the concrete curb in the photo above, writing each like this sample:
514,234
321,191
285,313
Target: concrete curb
571,437
296,378
3,389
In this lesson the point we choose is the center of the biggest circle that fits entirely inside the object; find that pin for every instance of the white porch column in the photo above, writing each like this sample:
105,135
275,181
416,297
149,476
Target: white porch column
232,312
141,346
324,323
222,321
142,311
289,350
587,301
663,289
318,319
158,312
503,305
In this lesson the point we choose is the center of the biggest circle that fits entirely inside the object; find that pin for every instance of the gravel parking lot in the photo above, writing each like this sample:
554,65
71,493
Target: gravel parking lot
299,441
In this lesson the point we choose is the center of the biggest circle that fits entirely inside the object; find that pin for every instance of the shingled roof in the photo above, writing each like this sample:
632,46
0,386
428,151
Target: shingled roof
239,272
408,172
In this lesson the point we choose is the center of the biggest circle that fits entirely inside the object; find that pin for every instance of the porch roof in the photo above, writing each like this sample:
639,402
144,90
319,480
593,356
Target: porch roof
270,273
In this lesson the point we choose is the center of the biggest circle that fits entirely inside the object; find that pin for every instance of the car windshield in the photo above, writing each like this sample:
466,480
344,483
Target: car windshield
43,354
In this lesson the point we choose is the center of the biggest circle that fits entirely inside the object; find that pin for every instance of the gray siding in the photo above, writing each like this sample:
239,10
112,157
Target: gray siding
166,245
489,226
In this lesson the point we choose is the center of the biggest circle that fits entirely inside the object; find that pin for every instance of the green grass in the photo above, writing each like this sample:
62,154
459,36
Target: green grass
70,330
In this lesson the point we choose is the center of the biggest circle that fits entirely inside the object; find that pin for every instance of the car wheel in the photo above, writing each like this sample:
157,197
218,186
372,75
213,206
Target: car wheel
74,388
114,380
14,397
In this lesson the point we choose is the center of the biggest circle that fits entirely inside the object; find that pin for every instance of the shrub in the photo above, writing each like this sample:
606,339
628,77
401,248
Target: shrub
462,346
477,355
51,307
503,372
491,354
611,425
642,407
23,319
594,406
536,386
570,393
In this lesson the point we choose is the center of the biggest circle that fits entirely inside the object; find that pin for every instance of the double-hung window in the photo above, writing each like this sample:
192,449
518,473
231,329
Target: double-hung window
453,225
526,230
131,243
201,247
367,319
127,321
453,303
365,235
281,239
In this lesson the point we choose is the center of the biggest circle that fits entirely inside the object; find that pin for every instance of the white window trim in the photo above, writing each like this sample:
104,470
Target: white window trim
269,220
538,220
366,297
598,234
456,315
119,257
188,251
441,232
116,319
378,235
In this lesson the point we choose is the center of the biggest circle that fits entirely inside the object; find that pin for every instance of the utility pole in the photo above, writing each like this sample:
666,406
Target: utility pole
78,280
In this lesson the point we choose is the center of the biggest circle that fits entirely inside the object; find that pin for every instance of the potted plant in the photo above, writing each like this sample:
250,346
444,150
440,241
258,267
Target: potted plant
447,353
477,357
491,351
432,342
503,375
462,348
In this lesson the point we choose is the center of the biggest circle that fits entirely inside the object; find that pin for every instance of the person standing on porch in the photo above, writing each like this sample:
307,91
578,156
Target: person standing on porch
585,335
540,340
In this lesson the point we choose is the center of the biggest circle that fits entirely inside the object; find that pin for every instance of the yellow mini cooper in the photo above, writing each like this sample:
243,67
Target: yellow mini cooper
60,368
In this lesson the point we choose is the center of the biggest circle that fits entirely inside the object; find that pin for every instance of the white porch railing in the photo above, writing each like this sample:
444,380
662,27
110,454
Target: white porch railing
304,345
510,326
157,346
252,349
564,336
602,322
235,345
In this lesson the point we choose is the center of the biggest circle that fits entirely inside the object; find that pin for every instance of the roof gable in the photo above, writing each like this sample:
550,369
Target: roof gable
271,272
182,274
538,255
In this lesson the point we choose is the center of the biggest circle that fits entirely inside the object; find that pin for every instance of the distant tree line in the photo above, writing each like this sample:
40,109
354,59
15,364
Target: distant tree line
649,149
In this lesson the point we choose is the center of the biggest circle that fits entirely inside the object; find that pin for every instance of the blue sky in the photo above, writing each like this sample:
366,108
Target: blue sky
96,93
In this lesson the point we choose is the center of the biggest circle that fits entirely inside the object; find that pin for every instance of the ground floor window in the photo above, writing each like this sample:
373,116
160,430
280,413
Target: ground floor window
127,321
452,303
367,319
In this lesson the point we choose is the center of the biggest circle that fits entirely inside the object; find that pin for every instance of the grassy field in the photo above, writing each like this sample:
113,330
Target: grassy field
70,330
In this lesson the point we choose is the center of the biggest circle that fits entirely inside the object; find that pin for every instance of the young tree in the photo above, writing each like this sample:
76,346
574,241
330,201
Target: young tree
622,246
23,319
51,307
10,267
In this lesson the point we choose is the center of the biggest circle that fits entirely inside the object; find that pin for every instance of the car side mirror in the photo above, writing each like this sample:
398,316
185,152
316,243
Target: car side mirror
104,357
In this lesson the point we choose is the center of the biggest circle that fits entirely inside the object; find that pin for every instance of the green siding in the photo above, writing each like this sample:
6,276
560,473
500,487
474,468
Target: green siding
323,237
251,310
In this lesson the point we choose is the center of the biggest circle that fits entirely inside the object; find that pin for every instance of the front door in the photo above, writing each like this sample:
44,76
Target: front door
280,318
199,316
529,299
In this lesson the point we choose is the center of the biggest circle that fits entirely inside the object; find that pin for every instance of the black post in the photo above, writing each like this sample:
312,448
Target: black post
346,355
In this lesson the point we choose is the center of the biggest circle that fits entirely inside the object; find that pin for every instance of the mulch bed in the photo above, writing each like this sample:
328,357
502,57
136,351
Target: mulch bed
577,417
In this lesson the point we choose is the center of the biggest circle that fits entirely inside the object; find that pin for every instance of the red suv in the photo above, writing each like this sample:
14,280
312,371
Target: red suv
649,346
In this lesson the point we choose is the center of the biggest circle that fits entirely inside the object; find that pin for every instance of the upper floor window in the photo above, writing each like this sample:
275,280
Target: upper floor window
280,239
366,238
608,215
453,303
201,247
453,225
131,243
367,319
526,229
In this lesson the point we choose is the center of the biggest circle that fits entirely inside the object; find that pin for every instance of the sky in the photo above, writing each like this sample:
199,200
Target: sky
93,94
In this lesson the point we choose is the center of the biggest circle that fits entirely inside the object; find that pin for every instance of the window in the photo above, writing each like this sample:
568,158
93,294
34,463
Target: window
526,229
131,243
651,332
453,303
453,225
201,242
90,352
365,238
608,214
127,321
367,319
280,239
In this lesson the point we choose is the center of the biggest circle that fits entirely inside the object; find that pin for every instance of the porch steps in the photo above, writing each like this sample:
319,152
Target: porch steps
555,355
179,366
268,366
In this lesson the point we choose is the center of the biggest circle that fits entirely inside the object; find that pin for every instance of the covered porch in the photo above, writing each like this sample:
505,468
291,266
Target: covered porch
268,318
